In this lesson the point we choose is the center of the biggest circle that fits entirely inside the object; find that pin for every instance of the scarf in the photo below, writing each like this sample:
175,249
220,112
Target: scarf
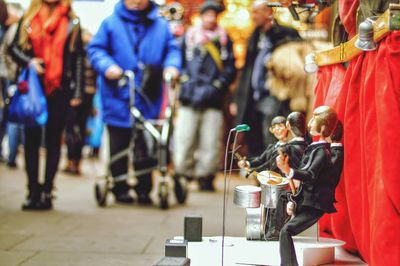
48,35
197,36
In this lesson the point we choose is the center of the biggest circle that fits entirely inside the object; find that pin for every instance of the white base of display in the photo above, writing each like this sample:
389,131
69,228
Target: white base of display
239,251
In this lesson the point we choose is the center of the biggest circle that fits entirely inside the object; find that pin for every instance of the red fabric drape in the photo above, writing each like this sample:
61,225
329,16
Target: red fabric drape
368,104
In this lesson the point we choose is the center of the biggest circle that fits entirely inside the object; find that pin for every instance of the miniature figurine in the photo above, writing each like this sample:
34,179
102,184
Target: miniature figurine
314,196
267,159
296,124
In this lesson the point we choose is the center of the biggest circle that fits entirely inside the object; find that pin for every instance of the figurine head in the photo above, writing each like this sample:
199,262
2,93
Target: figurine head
337,133
278,128
323,121
296,124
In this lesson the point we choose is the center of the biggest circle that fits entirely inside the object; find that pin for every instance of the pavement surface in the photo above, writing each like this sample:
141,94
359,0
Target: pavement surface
78,232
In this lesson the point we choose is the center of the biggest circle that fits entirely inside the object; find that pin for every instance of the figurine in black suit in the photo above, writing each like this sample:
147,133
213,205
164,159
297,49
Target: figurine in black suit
315,193
296,124
266,161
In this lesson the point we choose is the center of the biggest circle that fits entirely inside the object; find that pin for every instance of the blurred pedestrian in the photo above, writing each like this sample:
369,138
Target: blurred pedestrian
77,116
49,39
3,19
133,38
8,69
209,69
253,103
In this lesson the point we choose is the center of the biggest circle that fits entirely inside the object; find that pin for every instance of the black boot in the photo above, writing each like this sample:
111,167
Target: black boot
181,188
206,183
47,201
121,193
32,202
124,198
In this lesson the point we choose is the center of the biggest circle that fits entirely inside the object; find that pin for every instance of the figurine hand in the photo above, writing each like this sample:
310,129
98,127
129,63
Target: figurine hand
290,208
243,164
283,164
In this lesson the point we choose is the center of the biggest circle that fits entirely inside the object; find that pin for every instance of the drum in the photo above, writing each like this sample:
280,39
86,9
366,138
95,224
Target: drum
247,196
272,184
254,223
269,178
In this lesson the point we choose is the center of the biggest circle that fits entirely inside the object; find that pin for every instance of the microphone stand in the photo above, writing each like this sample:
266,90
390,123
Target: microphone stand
237,129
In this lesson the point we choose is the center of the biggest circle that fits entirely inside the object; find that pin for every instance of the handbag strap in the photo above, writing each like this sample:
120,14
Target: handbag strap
214,53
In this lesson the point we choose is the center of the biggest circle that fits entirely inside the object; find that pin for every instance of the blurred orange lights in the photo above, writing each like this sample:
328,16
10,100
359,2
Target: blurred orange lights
236,20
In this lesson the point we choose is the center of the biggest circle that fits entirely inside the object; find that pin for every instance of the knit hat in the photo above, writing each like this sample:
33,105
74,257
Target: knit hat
211,5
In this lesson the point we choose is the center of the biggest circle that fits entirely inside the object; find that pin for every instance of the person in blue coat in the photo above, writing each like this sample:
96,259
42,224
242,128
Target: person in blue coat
133,38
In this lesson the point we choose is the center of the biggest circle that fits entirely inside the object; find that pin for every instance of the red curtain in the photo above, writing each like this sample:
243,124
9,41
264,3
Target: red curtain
366,96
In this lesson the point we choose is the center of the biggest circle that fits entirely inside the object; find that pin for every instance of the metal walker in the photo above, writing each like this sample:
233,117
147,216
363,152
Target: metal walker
160,130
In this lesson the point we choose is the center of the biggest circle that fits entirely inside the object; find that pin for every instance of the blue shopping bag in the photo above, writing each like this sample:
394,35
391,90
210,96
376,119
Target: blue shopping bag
28,106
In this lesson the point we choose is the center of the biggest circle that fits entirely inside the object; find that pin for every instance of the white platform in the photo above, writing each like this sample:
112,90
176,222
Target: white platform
239,251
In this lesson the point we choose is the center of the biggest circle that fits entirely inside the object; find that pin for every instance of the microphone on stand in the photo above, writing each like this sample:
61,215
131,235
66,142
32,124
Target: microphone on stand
238,129
241,128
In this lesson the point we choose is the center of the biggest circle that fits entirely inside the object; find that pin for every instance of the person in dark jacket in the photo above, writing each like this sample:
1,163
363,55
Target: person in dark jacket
253,103
133,38
77,116
208,71
49,39
315,196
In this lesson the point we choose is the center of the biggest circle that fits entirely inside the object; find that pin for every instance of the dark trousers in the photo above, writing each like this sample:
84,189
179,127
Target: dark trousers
57,105
305,218
276,218
143,155
75,130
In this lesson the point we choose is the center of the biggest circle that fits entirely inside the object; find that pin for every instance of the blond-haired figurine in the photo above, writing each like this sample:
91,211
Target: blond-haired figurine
315,195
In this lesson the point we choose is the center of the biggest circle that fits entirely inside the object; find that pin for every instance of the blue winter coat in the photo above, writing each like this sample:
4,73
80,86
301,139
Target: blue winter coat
149,42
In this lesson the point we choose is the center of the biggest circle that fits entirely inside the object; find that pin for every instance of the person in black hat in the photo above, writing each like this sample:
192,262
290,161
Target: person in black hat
213,5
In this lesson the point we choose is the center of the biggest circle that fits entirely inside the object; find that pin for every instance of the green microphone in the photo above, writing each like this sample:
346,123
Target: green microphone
242,128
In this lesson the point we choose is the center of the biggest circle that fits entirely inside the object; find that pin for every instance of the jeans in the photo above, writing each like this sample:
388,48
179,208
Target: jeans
15,134
2,130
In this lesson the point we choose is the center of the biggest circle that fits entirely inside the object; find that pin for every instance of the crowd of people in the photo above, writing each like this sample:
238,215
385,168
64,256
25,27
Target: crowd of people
73,65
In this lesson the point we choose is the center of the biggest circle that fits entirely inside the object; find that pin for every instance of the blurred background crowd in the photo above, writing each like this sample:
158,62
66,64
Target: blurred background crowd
232,62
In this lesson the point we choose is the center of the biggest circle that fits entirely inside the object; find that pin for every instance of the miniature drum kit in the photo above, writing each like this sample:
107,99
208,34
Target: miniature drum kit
257,200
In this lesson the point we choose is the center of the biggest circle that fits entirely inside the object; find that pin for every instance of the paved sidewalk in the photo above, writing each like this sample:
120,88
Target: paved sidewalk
77,232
